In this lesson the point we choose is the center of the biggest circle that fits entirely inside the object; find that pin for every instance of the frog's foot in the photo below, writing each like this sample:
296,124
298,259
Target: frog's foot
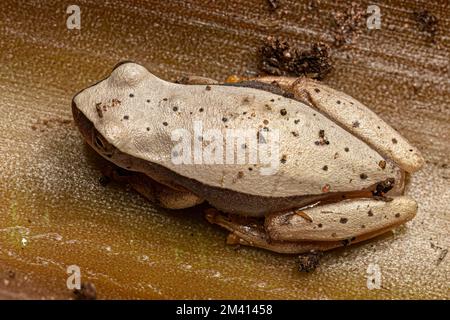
154,191
252,233
353,116
322,227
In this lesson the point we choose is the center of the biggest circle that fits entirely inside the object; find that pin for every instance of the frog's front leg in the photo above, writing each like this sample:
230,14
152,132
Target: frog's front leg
154,191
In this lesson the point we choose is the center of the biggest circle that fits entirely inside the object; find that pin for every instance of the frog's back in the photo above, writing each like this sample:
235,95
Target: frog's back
156,121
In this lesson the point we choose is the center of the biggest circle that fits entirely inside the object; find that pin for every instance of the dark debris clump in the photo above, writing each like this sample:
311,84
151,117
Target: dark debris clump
426,22
308,262
280,58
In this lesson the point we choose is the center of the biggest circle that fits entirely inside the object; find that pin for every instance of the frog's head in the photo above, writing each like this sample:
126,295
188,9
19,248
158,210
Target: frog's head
110,113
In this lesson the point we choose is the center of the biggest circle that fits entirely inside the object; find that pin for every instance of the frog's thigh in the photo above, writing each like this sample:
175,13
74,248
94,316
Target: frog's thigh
355,118
360,219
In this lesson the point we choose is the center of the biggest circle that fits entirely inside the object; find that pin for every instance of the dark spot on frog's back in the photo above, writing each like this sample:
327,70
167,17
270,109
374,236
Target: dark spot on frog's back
343,220
98,108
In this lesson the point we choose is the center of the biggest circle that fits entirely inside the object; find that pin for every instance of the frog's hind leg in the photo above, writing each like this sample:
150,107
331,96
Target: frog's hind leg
253,234
154,191
354,117
321,228
343,221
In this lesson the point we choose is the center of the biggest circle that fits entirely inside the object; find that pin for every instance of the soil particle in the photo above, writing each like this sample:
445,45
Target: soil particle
86,292
322,140
348,25
273,4
326,188
50,123
98,108
280,57
383,187
442,256
309,262
426,22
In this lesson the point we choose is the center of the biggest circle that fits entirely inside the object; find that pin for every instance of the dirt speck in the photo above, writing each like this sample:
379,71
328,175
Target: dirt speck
326,188
86,292
348,24
442,256
280,57
309,262
45,124
426,22
273,4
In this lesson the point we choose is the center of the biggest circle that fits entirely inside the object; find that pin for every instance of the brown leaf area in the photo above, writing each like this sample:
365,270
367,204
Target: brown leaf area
54,213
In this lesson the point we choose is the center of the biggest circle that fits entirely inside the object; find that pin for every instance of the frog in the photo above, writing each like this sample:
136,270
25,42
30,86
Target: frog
335,175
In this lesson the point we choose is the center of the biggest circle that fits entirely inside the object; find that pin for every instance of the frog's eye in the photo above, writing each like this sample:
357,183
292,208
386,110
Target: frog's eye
102,146
128,73
99,143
